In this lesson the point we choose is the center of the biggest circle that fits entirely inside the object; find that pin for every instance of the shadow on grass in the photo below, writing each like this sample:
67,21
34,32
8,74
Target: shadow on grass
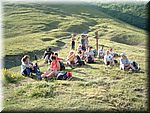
76,79
15,60
91,67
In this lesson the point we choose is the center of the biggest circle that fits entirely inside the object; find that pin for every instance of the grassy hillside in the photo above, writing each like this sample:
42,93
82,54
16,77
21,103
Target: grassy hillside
30,28
128,12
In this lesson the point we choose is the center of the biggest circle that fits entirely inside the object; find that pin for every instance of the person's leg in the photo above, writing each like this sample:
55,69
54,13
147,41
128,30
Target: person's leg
51,74
108,63
127,67
132,67
37,71
70,64
26,72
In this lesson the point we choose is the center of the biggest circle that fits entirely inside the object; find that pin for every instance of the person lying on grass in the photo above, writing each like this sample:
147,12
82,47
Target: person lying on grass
125,63
53,70
71,59
27,67
108,58
47,55
89,55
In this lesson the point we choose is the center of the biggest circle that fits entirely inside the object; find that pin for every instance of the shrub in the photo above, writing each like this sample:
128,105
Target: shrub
11,77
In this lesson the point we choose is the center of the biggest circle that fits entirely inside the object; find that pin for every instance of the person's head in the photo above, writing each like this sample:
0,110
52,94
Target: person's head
71,52
56,54
74,34
80,52
82,36
49,49
52,53
107,52
111,49
26,59
53,58
90,48
123,55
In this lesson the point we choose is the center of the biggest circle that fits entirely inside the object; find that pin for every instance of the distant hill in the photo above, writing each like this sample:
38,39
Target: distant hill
132,13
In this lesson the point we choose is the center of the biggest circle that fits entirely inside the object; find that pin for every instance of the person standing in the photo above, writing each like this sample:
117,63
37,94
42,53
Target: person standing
73,41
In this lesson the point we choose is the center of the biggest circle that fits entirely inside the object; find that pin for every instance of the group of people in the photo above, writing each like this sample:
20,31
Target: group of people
83,54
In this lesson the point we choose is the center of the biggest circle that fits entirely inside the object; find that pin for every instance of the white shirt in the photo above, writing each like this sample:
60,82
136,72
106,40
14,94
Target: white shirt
108,58
101,52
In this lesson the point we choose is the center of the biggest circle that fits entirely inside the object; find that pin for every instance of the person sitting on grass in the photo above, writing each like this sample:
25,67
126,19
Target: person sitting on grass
80,49
47,55
125,63
53,70
27,67
60,60
108,58
101,53
79,61
71,59
89,55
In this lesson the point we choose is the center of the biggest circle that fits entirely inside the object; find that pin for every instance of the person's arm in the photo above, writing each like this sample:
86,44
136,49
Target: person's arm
58,66
45,53
60,58
105,59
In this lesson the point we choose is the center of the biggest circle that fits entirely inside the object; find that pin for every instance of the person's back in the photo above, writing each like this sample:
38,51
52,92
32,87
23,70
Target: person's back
124,61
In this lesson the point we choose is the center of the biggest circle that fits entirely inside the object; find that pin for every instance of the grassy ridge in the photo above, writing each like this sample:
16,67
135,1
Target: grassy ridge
128,12
30,28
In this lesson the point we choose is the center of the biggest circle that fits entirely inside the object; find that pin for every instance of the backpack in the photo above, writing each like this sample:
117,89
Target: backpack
62,66
63,75
90,59
135,65
95,53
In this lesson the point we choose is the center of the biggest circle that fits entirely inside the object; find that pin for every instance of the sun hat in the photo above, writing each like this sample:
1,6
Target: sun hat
122,54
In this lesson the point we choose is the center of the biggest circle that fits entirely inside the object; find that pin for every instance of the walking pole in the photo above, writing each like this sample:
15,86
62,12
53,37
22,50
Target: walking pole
97,37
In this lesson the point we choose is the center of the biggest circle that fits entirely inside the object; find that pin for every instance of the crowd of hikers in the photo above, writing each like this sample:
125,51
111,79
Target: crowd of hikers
79,57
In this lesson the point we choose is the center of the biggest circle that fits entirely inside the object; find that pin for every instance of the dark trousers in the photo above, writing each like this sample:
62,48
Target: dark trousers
29,71
73,45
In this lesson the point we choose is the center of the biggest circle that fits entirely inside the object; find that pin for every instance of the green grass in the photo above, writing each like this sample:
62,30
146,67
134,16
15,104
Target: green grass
30,28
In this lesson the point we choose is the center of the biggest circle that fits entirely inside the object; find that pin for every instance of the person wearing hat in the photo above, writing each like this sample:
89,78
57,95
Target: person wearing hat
125,63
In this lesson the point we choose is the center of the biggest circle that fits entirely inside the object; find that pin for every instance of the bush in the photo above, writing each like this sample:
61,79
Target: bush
11,77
